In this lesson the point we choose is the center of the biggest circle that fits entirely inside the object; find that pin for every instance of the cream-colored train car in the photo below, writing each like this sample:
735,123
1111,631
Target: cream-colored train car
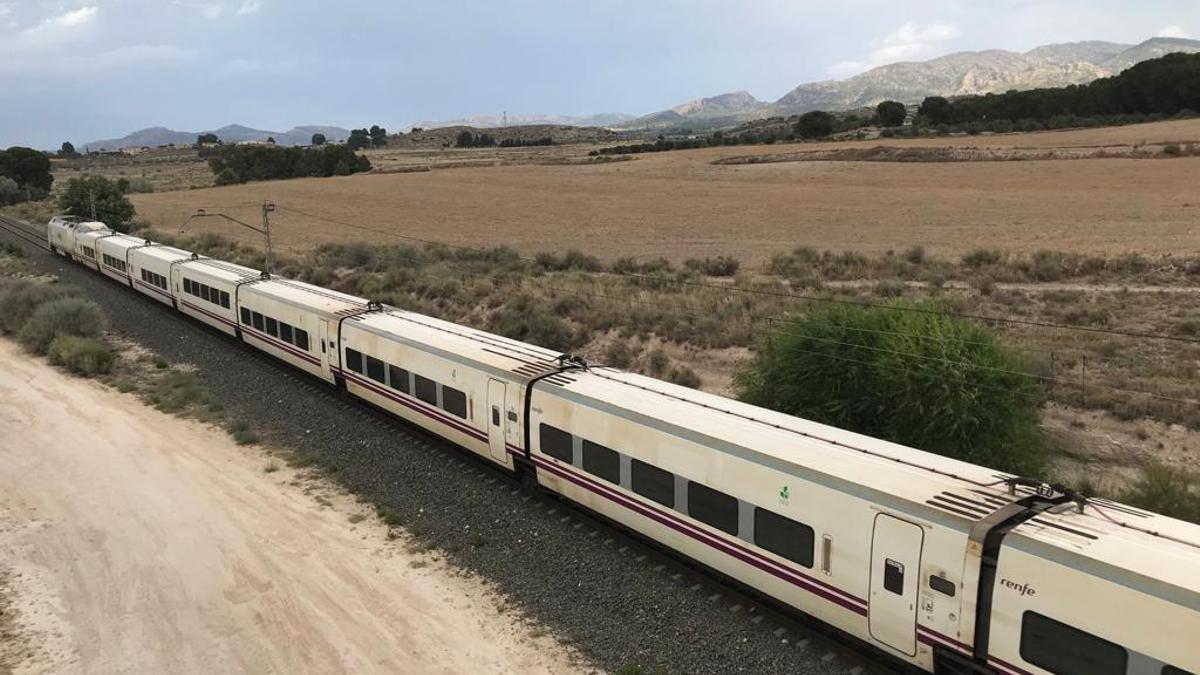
86,242
457,382
150,268
61,232
296,322
113,256
880,540
205,288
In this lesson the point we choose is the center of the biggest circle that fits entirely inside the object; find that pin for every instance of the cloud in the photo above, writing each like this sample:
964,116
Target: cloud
1173,32
249,7
50,33
909,42
211,11
75,17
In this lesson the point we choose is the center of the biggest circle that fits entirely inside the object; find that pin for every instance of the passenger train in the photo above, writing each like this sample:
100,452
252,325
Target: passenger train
944,565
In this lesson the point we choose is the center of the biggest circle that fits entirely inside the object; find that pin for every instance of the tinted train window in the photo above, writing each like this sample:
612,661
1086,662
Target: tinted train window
454,401
302,339
426,390
713,507
893,576
783,536
556,443
272,327
652,482
285,332
375,369
1064,650
602,462
257,320
245,316
224,299
187,286
398,378
354,360
942,585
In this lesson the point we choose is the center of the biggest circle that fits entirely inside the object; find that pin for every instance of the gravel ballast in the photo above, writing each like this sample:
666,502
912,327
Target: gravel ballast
620,602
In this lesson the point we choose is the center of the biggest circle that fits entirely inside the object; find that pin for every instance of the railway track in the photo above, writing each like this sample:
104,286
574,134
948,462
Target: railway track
831,650
25,232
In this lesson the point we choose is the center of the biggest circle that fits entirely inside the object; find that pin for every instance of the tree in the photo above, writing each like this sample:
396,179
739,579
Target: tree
921,378
10,192
67,150
359,139
270,140
99,198
207,139
318,138
815,124
28,167
937,110
378,136
891,113
465,139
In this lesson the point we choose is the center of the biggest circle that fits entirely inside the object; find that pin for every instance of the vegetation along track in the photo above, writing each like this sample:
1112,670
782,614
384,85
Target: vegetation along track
623,601
27,234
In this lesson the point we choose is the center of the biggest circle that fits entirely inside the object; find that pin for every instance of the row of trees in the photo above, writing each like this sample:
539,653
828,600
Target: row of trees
243,163
24,175
1168,85
375,137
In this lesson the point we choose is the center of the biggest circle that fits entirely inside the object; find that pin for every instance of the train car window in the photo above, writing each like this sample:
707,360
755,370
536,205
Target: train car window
1064,650
354,360
783,536
942,585
426,390
272,328
713,507
556,443
454,401
257,320
245,317
204,291
1172,670
652,482
224,299
302,339
893,576
187,286
285,333
398,378
375,369
602,462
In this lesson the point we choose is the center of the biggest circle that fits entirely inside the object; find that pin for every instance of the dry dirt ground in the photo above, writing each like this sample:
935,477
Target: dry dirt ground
135,542
679,204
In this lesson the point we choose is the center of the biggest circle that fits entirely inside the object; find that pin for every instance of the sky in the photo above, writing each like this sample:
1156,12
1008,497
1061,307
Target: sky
83,70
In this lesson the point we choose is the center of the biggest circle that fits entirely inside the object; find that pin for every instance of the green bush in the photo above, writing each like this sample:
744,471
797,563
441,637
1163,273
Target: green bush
80,355
1166,491
20,299
720,266
920,378
65,316
528,320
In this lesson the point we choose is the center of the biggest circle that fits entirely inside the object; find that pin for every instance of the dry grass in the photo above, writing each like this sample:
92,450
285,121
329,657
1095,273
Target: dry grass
679,205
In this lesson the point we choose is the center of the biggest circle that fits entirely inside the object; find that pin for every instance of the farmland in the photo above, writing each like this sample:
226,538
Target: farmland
679,204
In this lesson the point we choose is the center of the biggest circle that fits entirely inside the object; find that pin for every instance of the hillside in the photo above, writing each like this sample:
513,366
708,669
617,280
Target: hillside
959,74
233,133
445,137
496,121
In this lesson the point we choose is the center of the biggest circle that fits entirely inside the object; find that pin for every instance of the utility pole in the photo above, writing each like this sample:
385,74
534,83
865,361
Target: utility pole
92,199
267,208
265,230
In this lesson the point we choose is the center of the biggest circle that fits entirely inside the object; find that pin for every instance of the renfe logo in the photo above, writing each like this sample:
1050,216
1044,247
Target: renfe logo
1022,589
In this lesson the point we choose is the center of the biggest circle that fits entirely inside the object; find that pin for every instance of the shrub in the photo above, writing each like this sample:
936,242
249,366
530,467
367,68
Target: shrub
682,375
20,299
915,255
657,362
921,378
720,266
1172,149
1166,491
527,319
618,354
64,316
981,256
83,356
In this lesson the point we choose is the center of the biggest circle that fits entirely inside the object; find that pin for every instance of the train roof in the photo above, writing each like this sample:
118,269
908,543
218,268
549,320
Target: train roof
937,488
168,254
123,241
488,351
307,296
221,270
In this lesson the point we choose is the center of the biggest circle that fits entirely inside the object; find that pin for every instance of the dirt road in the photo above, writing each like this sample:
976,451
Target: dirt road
135,542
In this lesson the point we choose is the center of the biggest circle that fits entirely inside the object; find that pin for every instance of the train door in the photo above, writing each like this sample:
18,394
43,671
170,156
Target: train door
496,417
895,575
329,350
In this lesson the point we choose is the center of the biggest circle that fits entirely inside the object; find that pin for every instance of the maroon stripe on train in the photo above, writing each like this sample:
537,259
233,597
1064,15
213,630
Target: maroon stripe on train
834,595
428,412
154,288
208,313
266,337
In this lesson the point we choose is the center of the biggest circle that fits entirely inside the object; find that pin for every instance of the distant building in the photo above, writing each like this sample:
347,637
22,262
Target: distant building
135,150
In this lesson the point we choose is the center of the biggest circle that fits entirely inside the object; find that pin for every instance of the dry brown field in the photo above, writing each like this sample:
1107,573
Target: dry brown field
679,204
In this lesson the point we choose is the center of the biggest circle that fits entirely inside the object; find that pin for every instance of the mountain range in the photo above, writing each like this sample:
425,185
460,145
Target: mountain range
958,74
233,133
